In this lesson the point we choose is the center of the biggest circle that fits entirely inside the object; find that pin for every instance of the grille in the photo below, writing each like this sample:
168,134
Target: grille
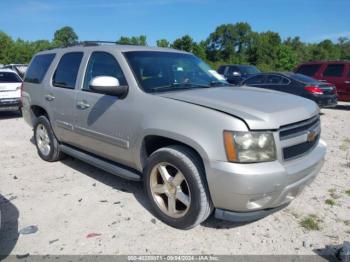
299,138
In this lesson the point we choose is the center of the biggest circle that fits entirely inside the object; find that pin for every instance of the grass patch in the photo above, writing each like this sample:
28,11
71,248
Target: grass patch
330,202
311,222
347,140
344,147
333,194
347,192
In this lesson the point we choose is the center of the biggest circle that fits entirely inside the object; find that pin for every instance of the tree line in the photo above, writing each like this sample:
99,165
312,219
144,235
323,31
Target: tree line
228,44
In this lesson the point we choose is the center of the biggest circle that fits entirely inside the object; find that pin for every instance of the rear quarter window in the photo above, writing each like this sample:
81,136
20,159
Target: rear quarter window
38,68
334,70
309,70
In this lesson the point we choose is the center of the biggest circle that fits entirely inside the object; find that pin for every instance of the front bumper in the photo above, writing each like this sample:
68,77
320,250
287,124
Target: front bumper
245,188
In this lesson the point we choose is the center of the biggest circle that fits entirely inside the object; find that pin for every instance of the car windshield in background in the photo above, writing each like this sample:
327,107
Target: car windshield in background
170,71
7,77
249,70
305,79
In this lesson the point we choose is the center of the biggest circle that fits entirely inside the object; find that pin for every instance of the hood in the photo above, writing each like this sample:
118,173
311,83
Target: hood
258,108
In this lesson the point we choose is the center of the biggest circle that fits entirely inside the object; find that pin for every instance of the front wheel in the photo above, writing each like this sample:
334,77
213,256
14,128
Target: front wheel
175,185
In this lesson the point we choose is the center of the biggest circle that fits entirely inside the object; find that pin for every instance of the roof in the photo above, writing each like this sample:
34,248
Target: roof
111,48
7,70
325,62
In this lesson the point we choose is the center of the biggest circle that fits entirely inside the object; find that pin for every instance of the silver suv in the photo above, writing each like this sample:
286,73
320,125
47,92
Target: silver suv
164,117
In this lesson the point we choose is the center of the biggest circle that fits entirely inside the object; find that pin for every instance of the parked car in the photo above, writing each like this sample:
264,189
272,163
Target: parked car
323,94
235,74
335,72
164,117
10,90
20,69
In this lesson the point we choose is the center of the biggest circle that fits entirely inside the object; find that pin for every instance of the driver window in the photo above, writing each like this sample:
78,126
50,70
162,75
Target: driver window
102,64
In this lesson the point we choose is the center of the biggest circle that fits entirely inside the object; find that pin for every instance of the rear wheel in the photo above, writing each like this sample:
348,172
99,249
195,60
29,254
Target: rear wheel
45,140
175,185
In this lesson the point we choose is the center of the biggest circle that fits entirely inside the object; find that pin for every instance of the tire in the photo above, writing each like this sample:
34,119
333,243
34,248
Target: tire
51,153
190,210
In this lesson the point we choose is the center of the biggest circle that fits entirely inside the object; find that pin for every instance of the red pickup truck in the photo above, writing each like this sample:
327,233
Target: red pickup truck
334,72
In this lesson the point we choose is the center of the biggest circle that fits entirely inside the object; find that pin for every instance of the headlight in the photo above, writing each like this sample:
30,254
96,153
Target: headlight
249,147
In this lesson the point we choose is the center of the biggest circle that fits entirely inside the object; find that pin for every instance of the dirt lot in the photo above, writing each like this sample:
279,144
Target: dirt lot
68,200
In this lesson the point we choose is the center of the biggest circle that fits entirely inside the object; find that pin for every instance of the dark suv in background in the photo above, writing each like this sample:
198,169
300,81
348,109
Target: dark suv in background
335,72
235,74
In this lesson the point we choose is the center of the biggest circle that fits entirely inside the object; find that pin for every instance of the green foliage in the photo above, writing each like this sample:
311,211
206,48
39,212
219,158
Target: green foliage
134,40
330,202
311,222
163,43
65,37
184,43
228,44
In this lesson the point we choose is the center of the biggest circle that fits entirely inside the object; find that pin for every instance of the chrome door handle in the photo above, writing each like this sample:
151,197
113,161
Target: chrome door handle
49,97
346,82
322,80
82,105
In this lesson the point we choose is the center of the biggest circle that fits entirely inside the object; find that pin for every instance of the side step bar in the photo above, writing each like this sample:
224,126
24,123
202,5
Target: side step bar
102,164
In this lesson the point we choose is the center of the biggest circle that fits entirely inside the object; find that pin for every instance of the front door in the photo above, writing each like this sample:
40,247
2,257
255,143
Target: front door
101,119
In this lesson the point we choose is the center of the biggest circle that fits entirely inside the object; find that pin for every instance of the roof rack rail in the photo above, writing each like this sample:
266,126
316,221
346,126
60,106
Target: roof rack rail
90,43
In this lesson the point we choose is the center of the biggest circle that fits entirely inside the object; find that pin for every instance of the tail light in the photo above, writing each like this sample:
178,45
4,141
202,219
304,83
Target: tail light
314,90
21,99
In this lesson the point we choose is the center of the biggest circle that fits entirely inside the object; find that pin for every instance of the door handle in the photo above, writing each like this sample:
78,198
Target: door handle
346,82
82,105
322,80
49,97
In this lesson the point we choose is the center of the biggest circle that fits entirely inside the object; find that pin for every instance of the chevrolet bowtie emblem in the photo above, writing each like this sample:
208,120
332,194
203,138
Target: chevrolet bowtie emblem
311,136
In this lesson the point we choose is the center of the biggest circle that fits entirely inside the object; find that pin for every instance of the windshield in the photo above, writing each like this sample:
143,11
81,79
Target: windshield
249,70
7,77
170,71
305,79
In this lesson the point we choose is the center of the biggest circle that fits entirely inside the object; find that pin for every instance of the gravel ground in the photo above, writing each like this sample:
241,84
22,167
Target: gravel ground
69,200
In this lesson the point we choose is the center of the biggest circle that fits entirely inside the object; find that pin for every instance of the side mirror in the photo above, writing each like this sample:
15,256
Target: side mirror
237,74
108,85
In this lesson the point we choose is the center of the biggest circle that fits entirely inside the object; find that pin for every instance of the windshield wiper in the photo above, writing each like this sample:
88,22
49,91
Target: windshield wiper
178,86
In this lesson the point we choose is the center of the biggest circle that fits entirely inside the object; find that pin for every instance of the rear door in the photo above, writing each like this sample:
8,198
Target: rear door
279,83
60,96
335,73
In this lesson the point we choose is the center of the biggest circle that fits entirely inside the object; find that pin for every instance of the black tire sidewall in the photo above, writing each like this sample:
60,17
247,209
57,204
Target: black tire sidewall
53,142
192,214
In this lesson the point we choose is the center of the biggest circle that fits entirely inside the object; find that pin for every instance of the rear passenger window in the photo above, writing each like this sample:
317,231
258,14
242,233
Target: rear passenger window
38,68
67,70
221,70
274,79
255,80
334,70
103,64
309,70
